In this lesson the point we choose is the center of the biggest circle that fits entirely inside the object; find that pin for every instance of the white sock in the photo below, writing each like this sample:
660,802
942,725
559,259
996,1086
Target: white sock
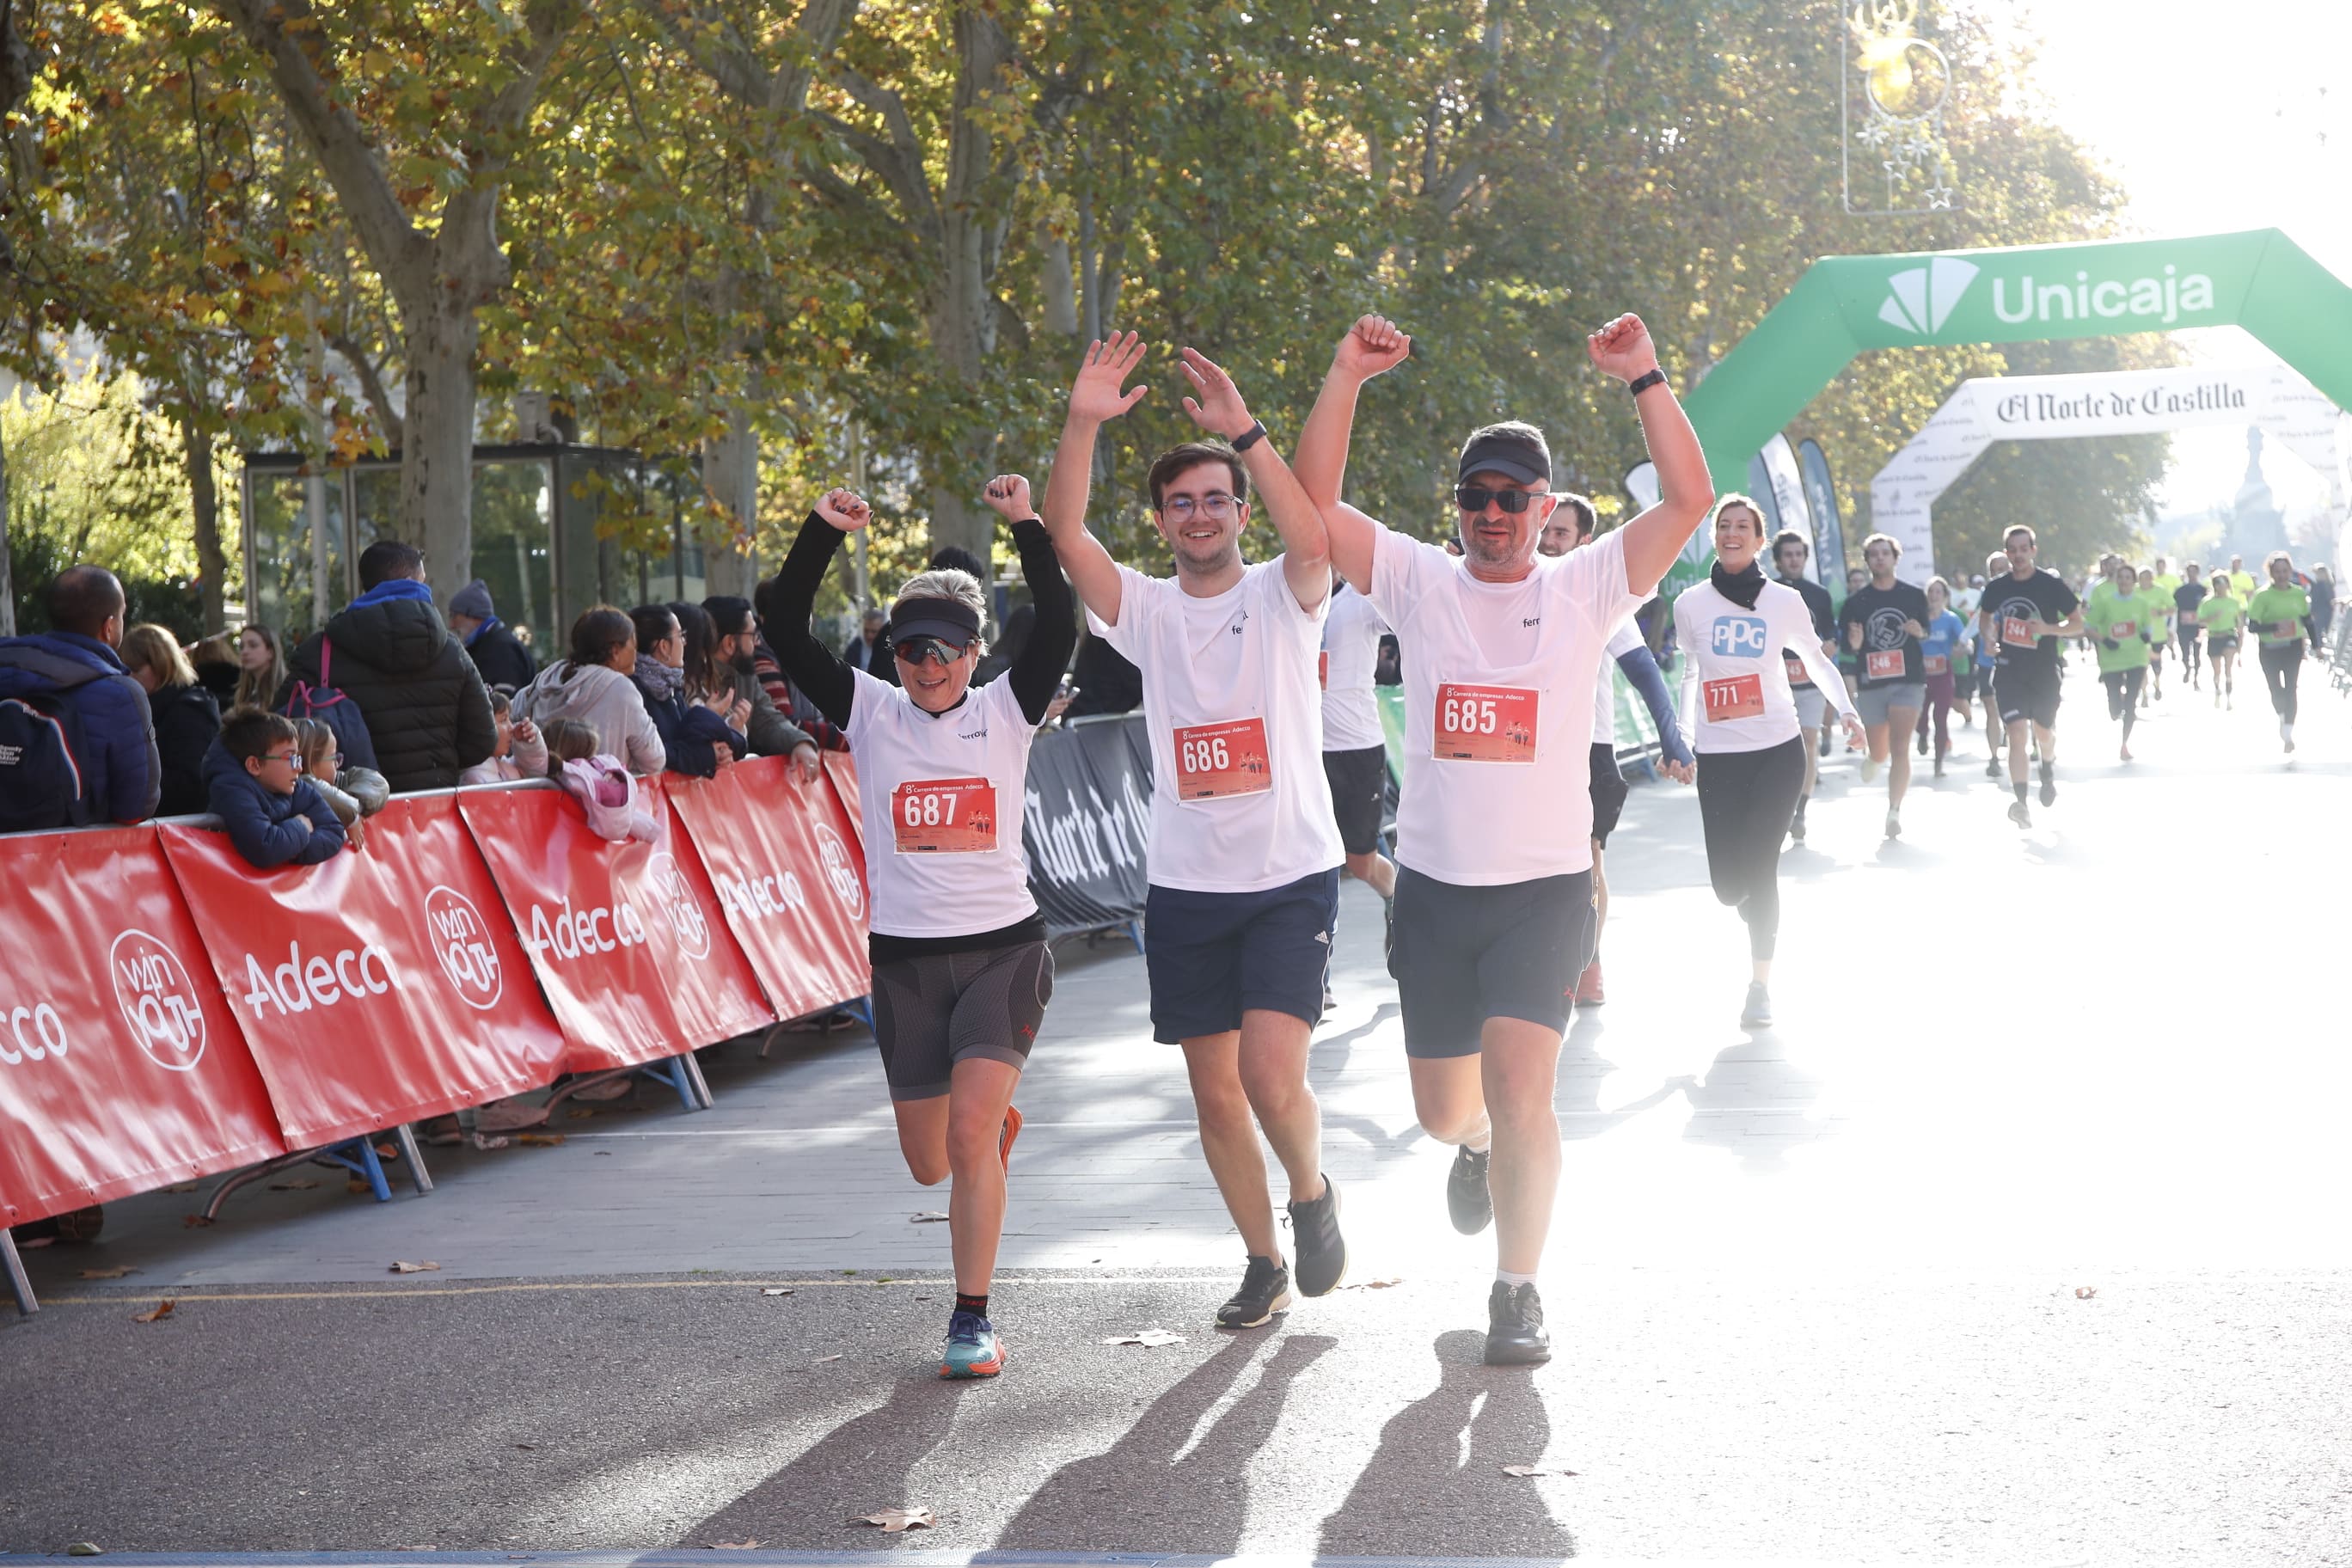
1481,1141
1505,1277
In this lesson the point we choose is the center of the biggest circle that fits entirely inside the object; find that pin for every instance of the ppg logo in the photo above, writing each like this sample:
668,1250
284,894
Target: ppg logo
1740,636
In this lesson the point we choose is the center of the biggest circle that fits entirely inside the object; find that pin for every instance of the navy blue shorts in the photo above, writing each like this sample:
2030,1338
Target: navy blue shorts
1462,956
1211,956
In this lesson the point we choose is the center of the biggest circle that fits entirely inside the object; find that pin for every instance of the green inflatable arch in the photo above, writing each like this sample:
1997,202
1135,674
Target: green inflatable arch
2260,280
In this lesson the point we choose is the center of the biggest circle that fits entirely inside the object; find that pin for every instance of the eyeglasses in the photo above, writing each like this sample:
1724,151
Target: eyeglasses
291,759
1475,498
1216,506
914,650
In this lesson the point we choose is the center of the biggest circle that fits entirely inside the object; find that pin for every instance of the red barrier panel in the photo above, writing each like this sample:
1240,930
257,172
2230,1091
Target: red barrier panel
377,987
626,939
792,898
121,1069
842,768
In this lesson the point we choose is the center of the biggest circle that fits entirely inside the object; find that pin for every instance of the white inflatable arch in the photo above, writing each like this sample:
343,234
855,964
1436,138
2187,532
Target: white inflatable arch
2288,409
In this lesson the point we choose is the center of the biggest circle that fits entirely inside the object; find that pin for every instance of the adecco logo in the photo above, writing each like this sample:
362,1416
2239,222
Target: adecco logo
678,903
841,871
302,984
40,1033
158,1000
770,895
1919,299
461,941
574,933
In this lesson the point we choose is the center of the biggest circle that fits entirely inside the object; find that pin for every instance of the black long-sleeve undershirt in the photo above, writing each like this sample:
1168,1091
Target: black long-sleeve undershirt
817,670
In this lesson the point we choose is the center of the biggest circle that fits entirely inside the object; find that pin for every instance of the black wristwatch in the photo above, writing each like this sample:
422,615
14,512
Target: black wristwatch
1643,382
1251,436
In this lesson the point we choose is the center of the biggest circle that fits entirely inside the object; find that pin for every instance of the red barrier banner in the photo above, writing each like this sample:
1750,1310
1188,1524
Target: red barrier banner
121,1067
382,986
626,939
787,879
840,767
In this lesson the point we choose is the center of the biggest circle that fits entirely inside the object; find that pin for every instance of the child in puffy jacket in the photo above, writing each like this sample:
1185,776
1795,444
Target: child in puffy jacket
599,782
521,752
254,783
350,794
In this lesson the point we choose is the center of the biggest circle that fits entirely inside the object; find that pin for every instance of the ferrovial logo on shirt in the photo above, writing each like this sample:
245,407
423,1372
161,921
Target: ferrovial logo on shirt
1738,637
157,999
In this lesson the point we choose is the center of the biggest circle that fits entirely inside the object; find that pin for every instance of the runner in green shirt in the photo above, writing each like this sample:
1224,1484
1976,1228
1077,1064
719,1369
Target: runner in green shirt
2281,615
2220,615
2155,608
2117,622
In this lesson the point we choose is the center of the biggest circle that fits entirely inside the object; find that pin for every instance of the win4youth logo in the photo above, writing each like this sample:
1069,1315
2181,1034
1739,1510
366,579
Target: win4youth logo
1919,299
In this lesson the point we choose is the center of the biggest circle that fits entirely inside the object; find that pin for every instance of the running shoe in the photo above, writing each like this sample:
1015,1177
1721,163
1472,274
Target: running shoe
973,1350
2286,733
1467,1200
2049,786
1797,828
1992,767
1322,1250
1515,1327
1923,742
1939,764
1757,1013
1894,825
1589,993
1004,1139
1265,1290
1869,768
2019,814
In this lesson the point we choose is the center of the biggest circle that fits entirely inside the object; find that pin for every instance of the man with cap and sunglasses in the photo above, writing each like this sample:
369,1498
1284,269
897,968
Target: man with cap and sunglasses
1493,906
1244,853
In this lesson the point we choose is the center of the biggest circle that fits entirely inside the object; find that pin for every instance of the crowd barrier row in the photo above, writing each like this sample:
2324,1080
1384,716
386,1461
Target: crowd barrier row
167,1011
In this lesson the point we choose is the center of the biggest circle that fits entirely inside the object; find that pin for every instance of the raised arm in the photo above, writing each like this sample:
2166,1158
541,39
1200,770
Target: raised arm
1653,539
1372,346
813,667
1037,668
1217,407
1096,396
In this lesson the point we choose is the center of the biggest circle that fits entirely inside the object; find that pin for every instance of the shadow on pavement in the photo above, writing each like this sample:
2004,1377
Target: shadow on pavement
1754,1102
1422,1496
868,1457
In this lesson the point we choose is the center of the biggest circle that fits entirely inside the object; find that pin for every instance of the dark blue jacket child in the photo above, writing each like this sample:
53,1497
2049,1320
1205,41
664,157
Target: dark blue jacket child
257,789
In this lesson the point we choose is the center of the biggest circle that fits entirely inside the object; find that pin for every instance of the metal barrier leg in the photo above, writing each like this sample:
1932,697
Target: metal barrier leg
416,1171
20,1284
673,1073
1134,934
692,1067
372,1168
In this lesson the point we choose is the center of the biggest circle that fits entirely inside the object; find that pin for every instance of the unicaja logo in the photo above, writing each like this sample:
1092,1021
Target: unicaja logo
1919,299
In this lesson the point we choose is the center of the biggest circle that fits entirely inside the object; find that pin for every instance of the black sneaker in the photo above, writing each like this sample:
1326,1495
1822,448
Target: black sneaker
1322,1250
2049,786
1265,1290
1466,1197
1757,1013
1515,1330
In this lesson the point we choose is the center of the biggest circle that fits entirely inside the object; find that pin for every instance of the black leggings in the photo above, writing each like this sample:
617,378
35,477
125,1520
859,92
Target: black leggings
2282,667
2123,695
1745,801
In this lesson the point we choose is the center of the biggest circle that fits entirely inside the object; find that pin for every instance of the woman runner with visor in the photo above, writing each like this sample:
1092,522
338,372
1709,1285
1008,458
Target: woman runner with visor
961,972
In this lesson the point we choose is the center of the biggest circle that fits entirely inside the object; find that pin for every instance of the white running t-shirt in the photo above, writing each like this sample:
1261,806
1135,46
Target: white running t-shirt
1736,693
940,798
1239,800
1351,652
1623,641
1498,684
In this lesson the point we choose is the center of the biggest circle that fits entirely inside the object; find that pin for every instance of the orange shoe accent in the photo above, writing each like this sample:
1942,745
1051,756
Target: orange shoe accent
1588,985
978,1368
1004,1139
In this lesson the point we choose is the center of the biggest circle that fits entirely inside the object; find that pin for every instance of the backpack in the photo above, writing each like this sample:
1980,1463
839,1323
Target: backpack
41,744
328,705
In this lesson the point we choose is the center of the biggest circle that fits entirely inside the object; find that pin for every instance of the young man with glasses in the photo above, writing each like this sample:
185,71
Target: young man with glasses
1493,830
1244,854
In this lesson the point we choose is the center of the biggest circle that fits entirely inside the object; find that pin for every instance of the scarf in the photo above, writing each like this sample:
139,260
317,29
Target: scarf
664,680
485,625
1742,588
397,588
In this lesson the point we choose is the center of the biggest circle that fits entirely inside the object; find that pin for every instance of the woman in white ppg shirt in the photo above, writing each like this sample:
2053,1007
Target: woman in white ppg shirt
1732,629
961,972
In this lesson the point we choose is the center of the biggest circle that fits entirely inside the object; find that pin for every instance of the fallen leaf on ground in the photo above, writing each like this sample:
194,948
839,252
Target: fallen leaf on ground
928,1217
778,1291
1541,1468
106,1273
540,1140
84,1549
604,1154
161,1311
1149,1338
822,1359
301,1186
896,1519
735,1545
2084,1292
417,1268
196,1221
578,1114
387,1151
1372,1284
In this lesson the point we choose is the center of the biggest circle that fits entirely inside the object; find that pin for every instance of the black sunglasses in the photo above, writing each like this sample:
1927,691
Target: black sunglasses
1473,498
915,650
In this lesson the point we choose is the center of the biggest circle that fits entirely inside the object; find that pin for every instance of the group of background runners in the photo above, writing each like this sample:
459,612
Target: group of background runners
1269,772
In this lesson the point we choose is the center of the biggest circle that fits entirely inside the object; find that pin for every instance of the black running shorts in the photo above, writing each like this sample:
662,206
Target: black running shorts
1462,956
1359,779
934,1011
2024,696
1608,790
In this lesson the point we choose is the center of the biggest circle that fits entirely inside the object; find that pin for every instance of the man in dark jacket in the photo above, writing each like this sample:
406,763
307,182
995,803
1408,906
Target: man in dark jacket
496,652
76,666
427,709
772,734
869,651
